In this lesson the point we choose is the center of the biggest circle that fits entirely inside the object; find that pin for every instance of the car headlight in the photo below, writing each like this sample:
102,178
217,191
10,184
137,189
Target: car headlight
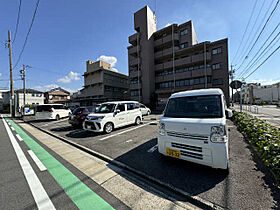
218,134
162,129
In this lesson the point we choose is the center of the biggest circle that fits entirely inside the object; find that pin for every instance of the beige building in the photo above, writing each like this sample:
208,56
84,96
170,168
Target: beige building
101,83
169,60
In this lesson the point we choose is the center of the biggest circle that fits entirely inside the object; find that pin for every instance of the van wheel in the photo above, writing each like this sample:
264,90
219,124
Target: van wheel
57,117
137,120
148,113
108,127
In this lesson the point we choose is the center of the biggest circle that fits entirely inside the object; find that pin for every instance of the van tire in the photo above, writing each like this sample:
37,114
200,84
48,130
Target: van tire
137,121
108,127
57,117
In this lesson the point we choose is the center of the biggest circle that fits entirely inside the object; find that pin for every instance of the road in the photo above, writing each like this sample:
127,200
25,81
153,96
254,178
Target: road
39,171
270,113
247,186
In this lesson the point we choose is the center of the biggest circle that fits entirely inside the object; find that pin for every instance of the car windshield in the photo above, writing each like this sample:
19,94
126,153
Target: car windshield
78,111
195,107
106,108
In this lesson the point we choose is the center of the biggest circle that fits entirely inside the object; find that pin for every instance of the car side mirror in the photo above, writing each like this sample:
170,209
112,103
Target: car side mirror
228,114
118,111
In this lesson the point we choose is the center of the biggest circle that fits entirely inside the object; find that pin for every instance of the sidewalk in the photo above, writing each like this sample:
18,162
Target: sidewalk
271,114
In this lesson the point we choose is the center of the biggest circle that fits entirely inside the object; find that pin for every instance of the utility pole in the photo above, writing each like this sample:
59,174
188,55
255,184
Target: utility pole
22,72
12,102
205,70
231,72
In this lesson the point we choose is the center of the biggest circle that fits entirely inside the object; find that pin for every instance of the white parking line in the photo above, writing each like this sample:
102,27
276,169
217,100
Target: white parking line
37,161
19,138
12,128
139,126
152,149
54,122
130,140
40,196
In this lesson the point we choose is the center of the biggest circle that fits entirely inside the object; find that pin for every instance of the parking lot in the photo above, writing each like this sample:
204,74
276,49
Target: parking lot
247,186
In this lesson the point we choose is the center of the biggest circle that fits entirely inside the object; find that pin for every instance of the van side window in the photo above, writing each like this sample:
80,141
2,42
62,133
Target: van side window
137,106
121,107
130,106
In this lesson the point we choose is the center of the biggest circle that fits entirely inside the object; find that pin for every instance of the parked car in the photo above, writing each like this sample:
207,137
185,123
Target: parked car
193,128
51,111
113,115
78,116
145,110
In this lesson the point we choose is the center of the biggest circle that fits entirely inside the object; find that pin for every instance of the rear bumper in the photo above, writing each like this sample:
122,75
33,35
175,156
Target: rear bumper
211,154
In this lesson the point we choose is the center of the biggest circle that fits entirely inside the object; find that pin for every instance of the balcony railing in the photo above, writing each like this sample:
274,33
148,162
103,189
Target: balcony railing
166,39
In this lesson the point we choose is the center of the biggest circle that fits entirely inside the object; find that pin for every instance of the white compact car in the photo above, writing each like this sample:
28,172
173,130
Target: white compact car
193,127
51,111
145,110
113,115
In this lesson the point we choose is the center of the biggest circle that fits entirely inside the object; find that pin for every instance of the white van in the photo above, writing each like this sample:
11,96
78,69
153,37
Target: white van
51,111
112,115
193,127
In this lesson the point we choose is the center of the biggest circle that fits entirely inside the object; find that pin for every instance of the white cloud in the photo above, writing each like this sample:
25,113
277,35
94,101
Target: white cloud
45,88
0,74
109,59
70,77
265,81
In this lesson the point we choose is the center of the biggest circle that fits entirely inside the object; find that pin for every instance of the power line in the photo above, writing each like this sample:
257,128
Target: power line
263,62
245,69
29,30
274,9
19,8
252,12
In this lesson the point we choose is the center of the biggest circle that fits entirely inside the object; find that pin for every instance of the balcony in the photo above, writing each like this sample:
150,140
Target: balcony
133,39
133,50
134,62
133,74
135,86
166,39
165,53
200,57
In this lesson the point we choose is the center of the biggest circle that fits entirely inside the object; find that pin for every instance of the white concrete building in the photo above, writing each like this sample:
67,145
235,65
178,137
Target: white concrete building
32,97
257,93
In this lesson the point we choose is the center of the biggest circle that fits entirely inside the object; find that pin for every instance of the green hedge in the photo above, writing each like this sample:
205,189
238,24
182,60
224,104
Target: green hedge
264,137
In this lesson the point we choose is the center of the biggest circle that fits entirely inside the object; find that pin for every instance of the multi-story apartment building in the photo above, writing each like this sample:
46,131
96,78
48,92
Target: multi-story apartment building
169,60
57,95
101,84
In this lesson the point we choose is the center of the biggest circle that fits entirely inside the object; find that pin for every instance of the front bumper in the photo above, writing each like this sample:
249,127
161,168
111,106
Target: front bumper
211,154
93,125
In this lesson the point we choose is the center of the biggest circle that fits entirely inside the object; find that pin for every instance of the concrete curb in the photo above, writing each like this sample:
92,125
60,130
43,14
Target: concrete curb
195,199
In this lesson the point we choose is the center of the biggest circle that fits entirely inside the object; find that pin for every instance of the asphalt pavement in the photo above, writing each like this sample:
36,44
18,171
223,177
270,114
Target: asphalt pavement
247,186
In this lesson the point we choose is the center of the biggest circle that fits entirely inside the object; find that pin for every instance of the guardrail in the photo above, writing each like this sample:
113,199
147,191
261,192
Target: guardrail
250,108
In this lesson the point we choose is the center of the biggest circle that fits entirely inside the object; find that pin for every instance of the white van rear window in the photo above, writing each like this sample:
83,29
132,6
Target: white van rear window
209,106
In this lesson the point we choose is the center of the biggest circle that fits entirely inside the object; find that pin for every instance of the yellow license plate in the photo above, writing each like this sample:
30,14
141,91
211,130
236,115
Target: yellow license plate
173,152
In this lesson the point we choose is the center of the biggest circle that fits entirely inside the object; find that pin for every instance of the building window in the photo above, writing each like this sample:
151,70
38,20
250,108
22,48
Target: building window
217,51
216,66
217,81
184,32
184,45
135,93
33,94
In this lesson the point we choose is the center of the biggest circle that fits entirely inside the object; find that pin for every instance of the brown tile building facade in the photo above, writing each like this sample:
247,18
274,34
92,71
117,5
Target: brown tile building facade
57,95
171,60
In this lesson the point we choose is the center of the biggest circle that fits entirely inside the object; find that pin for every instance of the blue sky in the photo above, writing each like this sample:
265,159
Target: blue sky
66,34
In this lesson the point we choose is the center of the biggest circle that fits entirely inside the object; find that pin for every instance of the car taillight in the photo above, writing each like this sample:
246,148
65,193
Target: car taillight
79,115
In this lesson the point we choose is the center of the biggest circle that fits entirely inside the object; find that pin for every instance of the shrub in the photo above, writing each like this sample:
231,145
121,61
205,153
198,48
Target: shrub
264,137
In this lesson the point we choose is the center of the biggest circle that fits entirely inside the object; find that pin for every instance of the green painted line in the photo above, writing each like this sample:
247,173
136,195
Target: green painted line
79,193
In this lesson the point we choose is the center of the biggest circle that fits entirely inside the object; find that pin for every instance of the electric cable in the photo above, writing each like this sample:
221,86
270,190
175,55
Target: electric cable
18,16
